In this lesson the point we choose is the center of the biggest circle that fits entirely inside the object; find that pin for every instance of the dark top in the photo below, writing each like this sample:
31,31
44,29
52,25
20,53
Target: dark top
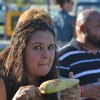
84,64
12,87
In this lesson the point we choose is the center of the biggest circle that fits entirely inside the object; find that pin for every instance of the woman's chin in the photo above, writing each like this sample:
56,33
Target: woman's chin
43,74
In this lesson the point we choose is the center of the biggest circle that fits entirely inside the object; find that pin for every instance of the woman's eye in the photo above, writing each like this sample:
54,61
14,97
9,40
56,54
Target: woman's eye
37,47
52,47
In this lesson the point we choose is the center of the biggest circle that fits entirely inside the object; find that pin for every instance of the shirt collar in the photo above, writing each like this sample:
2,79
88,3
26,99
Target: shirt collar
75,44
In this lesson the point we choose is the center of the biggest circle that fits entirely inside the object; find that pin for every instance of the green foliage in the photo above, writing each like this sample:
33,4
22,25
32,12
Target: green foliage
17,1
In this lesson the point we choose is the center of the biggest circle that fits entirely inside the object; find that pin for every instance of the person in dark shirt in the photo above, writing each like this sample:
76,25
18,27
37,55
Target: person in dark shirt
82,55
64,22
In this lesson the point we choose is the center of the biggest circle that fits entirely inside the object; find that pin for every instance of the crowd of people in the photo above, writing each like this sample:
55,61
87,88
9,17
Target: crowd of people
33,56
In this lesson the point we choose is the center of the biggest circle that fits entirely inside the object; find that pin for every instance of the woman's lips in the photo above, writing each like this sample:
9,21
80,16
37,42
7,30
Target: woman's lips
43,64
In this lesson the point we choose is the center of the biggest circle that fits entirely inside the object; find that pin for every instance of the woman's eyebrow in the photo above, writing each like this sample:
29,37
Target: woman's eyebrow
35,43
41,43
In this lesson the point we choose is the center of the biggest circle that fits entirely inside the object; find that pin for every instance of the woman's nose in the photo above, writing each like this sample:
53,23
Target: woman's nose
45,53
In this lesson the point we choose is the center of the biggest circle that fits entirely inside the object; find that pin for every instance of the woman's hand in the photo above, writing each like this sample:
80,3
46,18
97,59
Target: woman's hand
71,93
27,93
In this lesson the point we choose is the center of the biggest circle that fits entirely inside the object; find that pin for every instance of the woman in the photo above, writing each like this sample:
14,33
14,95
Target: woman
30,59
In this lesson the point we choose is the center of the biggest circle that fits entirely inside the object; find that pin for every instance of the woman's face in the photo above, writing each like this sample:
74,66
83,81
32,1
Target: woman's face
40,53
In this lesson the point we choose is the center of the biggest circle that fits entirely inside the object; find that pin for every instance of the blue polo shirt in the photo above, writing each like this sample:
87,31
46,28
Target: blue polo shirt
63,26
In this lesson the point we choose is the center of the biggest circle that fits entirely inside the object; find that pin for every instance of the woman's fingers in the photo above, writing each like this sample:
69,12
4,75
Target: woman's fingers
68,95
70,75
27,92
71,93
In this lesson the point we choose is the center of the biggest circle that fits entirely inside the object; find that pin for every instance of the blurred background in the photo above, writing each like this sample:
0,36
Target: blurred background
10,11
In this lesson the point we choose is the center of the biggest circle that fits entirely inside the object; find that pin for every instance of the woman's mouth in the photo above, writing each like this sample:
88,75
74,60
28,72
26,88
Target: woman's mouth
43,64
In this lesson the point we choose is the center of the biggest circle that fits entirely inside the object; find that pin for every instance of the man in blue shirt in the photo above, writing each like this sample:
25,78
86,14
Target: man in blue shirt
64,22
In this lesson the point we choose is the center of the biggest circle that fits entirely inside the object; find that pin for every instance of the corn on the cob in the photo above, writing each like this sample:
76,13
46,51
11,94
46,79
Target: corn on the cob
55,85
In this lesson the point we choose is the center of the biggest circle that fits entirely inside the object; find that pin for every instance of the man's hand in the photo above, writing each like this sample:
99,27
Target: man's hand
92,91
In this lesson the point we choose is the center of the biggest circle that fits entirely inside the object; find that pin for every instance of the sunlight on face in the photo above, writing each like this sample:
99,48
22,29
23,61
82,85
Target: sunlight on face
40,53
